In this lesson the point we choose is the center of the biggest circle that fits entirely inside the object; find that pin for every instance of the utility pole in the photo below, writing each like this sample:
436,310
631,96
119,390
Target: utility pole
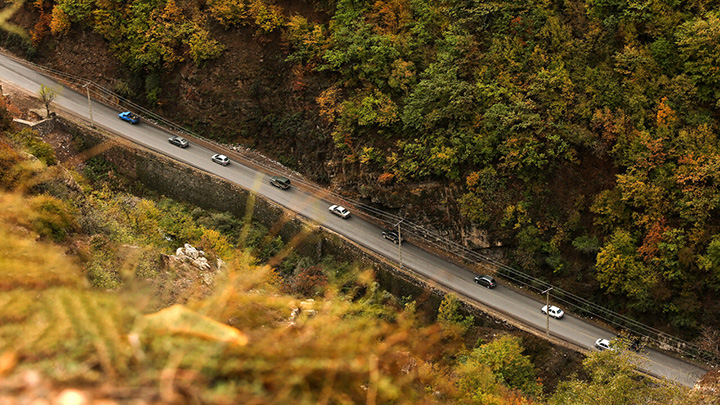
400,242
87,87
547,310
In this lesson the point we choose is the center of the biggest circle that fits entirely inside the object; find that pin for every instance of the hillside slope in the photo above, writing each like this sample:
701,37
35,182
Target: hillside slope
582,138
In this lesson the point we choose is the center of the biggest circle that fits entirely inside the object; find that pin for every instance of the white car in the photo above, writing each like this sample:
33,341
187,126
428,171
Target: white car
220,159
603,344
339,211
555,312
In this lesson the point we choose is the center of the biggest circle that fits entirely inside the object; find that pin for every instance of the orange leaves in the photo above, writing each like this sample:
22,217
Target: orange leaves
386,178
60,23
328,101
653,237
666,115
472,179
40,30
391,16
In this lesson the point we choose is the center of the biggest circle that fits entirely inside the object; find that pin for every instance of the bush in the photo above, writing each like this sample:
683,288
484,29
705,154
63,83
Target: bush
203,48
51,217
35,146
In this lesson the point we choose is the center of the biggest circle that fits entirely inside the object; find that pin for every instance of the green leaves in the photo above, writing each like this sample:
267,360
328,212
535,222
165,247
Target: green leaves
619,269
699,45
613,380
503,357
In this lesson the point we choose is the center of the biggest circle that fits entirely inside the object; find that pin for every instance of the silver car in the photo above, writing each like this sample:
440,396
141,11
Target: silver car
220,159
340,211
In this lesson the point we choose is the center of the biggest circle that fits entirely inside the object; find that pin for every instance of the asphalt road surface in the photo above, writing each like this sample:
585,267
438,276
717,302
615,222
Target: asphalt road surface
505,300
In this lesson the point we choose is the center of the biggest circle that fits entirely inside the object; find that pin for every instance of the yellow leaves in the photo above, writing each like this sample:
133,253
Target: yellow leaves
272,277
202,47
666,115
517,214
369,155
267,17
180,320
214,241
60,23
171,12
328,101
229,12
402,75
8,360
238,12
472,179
25,261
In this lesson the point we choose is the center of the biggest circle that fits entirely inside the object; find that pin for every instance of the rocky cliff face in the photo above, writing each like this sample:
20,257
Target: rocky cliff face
188,274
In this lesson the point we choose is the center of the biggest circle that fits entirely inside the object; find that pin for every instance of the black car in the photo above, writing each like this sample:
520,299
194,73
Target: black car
635,344
485,281
280,182
179,141
392,236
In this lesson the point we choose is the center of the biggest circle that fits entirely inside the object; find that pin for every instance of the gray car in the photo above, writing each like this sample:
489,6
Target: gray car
179,141
280,182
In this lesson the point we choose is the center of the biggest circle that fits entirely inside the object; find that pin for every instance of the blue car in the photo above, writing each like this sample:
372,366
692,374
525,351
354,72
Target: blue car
129,117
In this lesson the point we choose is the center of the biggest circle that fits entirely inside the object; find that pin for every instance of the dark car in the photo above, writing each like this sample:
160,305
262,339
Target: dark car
392,236
179,141
636,345
129,117
485,281
280,182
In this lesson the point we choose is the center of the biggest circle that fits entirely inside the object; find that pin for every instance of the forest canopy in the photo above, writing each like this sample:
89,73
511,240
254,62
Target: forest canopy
583,135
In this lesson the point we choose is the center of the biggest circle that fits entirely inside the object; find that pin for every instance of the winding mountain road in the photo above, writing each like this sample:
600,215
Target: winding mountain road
505,300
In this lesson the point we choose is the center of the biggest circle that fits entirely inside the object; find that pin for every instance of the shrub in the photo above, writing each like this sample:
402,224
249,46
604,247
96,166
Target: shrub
35,146
51,217
310,281
203,48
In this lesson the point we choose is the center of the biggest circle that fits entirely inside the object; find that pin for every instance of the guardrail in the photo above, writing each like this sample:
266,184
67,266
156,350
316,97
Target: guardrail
572,303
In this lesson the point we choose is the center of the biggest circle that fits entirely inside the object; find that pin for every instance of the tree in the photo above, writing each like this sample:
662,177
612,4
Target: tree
613,380
503,357
620,270
450,318
48,95
699,44
310,281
